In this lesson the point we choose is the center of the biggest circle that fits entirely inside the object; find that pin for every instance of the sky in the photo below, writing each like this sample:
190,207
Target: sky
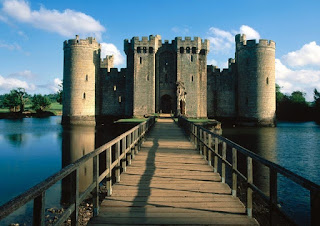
32,34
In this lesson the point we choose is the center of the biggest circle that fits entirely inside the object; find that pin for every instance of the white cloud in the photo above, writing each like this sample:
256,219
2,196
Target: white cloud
308,55
6,84
249,32
66,23
13,46
110,49
212,62
301,79
223,41
180,30
26,74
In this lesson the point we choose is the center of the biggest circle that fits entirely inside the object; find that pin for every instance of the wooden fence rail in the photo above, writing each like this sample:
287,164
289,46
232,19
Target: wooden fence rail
208,143
125,146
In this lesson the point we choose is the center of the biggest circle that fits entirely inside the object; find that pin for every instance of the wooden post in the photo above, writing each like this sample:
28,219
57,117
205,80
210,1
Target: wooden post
216,150
315,207
117,155
195,137
204,136
234,174
249,190
38,210
136,146
132,145
223,165
108,177
129,152
273,186
75,196
124,161
200,141
95,197
209,150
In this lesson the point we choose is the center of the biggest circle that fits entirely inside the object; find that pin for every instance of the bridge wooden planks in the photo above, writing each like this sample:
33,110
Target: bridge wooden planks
170,183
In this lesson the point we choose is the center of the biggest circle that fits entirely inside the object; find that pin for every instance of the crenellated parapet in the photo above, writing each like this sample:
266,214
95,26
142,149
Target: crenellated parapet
242,42
195,45
89,42
144,45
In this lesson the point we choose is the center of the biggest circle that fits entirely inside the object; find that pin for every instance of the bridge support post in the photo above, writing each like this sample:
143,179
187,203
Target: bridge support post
200,141
132,151
209,150
249,189
315,207
129,147
273,186
234,174
216,150
124,149
108,177
39,210
95,197
223,164
117,155
75,196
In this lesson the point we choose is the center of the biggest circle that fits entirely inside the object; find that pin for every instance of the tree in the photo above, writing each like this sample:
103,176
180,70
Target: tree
21,93
40,103
316,97
11,101
16,98
59,93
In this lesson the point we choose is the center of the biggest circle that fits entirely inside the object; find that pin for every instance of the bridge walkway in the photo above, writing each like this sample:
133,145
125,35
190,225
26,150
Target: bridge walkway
170,183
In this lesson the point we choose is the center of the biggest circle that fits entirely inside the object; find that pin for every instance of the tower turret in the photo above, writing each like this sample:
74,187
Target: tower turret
81,81
256,80
192,71
141,77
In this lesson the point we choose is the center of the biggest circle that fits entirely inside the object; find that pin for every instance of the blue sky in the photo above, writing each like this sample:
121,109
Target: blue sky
32,33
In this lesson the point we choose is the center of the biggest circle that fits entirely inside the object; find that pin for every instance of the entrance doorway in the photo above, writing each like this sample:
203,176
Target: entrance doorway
166,104
182,107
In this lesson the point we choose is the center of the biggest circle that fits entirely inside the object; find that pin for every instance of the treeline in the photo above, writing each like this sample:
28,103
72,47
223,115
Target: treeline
294,107
18,98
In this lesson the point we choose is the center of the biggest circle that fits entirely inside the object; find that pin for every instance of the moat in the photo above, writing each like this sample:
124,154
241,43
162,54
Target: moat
33,149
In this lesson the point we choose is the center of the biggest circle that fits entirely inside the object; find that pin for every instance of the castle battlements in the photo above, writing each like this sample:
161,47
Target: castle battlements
88,42
242,42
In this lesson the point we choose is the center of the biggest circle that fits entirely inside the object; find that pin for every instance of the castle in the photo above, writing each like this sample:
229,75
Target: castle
169,77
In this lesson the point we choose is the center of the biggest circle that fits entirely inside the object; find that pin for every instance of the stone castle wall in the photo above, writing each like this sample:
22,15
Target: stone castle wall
81,80
256,80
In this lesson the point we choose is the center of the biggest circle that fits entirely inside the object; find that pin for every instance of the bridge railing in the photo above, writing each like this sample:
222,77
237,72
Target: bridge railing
213,147
124,147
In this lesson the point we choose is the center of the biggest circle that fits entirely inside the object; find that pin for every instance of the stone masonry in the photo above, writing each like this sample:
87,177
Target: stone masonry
169,77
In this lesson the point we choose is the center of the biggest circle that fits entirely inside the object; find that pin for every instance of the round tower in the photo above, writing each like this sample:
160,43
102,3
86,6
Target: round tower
81,81
256,81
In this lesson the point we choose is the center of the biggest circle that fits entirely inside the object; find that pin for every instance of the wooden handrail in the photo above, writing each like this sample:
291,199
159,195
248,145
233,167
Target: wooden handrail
195,132
37,193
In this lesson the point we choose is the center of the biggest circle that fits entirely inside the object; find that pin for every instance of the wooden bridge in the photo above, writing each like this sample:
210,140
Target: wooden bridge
168,177
170,183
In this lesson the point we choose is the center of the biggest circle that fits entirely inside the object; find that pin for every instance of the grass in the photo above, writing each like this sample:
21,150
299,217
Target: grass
55,108
137,120
198,120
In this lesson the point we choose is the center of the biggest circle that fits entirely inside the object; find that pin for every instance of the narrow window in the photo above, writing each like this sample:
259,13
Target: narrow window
181,50
119,99
191,58
84,95
86,77
188,49
114,88
144,49
194,50
166,63
139,50
192,78
267,80
150,50
140,60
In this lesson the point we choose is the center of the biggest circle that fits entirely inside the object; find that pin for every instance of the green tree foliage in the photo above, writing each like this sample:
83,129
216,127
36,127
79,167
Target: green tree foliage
11,101
316,97
40,103
293,107
21,94
59,94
